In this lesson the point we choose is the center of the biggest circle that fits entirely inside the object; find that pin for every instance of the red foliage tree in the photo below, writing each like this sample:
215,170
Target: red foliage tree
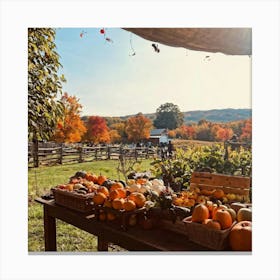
97,130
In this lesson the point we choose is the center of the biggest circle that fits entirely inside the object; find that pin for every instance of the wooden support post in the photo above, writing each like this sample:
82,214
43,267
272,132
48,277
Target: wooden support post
102,245
49,231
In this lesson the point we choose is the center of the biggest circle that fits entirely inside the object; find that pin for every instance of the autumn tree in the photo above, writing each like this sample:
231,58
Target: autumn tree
187,132
97,130
169,116
223,134
138,128
120,128
70,128
114,136
44,84
247,131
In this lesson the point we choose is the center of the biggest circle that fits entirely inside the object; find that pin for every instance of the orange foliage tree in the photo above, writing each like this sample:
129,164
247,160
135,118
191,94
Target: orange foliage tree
97,130
247,131
187,132
70,128
119,127
138,128
223,134
114,136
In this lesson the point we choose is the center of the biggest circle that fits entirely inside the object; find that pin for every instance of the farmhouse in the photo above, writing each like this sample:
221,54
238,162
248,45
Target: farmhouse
158,136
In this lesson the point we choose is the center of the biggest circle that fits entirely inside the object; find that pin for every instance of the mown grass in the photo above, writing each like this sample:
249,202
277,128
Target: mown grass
69,238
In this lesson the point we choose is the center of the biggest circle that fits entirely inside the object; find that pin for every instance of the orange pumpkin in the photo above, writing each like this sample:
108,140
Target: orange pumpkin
216,208
207,192
200,213
103,190
219,193
122,192
138,198
101,179
92,177
108,203
111,216
141,181
116,185
99,198
102,216
213,224
224,218
201,199
118,203
240,236
129,205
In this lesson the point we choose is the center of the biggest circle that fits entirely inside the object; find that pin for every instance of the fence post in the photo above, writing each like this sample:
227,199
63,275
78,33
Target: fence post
61,153
80,154
95,153
35,151
108,152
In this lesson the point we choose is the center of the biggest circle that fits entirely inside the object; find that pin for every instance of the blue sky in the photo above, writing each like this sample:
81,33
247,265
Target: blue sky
109,81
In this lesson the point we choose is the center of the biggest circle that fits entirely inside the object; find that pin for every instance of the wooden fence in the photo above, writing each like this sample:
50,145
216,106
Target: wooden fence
61,153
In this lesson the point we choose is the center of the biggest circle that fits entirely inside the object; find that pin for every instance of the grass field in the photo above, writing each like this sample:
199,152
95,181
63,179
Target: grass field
40,180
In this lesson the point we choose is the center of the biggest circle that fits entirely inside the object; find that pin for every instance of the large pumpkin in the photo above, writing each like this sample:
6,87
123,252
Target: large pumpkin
240,237
224,218
200,213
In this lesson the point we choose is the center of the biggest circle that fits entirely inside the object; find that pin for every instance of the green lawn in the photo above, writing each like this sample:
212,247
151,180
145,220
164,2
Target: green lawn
40,180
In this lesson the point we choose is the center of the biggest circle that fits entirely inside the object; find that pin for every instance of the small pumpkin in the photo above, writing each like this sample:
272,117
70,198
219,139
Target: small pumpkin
213,224
129,205
200,213
138,198
219,193
103,190
101,179
99,198
118,203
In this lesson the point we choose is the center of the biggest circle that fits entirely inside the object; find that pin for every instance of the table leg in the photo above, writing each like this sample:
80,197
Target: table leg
102,245
49,231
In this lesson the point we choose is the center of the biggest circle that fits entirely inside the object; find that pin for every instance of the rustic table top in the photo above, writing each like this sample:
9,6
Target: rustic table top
133,239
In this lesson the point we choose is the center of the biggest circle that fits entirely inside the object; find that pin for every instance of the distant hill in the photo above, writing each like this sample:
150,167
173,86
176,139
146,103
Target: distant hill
218,115
215,115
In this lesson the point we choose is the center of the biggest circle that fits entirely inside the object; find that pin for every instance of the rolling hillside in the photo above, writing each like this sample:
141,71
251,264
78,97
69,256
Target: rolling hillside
218,115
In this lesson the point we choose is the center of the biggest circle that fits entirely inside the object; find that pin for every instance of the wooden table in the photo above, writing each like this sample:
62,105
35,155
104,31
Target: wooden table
134,239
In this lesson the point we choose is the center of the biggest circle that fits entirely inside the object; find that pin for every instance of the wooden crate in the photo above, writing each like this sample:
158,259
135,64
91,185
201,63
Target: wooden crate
239,185
207,237
72,200
122,216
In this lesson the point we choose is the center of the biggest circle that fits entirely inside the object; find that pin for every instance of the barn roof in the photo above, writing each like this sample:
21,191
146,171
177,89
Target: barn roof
157,132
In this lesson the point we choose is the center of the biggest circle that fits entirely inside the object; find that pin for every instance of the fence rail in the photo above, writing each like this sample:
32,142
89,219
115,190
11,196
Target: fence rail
61,153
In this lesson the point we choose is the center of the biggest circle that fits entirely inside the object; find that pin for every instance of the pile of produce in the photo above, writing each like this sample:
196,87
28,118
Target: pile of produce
145,201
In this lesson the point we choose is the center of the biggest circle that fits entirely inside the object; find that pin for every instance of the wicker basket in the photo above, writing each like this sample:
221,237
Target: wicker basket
75,201
207,237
